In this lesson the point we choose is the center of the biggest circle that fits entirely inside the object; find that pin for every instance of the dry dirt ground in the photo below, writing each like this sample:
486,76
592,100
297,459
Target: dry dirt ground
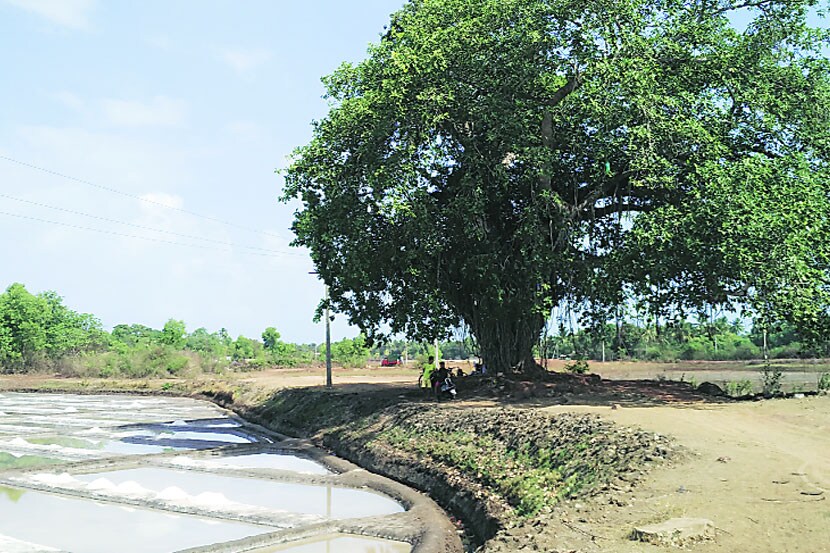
797,374
760,470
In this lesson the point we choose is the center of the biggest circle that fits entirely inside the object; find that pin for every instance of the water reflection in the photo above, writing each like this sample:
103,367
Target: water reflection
13,494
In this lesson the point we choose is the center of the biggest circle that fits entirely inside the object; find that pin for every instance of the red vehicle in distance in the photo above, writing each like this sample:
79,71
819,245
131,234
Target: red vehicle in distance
386,362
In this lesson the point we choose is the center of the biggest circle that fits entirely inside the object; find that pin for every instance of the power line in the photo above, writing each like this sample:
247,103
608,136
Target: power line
190,236
139,198
113,233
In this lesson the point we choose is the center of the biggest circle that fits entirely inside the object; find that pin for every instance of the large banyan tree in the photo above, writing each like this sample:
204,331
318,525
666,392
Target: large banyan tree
493,158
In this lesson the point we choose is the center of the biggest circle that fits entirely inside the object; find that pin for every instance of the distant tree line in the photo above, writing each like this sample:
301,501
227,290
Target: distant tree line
712,340
39,333
708,340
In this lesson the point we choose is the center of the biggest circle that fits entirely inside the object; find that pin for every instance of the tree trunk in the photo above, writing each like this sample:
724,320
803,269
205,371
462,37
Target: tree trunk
507,343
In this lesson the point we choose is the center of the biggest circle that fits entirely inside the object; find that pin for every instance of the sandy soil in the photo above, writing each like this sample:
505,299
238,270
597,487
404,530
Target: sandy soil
760,471
296,378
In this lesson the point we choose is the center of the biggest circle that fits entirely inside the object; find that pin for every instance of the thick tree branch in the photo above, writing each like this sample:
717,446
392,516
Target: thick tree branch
564,91
573,84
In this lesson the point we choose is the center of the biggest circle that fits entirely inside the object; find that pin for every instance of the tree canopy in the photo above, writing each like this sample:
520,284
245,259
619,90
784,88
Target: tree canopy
490,159
34,327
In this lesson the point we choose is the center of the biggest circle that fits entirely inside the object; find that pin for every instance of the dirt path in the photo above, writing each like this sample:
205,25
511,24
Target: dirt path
760,471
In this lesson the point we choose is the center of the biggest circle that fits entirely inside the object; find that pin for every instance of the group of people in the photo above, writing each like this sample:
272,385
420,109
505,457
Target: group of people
435,381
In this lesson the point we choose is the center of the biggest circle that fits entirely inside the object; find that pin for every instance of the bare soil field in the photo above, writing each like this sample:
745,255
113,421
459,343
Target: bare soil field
760,471
797,374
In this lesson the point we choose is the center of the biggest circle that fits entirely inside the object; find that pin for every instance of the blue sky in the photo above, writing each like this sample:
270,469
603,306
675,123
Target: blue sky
193,104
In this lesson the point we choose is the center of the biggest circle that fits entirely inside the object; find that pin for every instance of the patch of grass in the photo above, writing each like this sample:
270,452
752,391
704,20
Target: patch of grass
9,461
66,441
738,388
530,483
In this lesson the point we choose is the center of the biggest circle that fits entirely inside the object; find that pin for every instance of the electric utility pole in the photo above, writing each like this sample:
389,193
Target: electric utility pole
328,340
328,334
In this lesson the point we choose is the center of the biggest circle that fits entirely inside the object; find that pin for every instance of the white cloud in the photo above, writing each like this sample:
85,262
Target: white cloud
159,112
68,13
243,60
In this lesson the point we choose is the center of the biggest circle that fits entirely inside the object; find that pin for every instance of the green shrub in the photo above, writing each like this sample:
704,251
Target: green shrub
823,384
793,350
578,366
739,388
177,363
771,379
350,353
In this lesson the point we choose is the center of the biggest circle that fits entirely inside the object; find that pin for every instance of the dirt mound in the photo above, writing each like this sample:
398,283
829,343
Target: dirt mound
491,467
584,389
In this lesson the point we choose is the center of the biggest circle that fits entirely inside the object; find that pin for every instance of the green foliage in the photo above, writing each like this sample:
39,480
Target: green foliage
579,366
350,352
527,484
137,362
708,340
493,158
771,380
458,349
37,330
202,341
245,349
823,384
271,338
173,334
739,388
281,353
135,334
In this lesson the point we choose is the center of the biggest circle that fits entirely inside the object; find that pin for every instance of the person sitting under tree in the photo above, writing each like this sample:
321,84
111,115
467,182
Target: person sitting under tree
438,377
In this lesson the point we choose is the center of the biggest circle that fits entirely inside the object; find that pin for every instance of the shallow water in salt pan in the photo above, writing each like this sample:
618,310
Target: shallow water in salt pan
83,526
327,501
275,461
61,508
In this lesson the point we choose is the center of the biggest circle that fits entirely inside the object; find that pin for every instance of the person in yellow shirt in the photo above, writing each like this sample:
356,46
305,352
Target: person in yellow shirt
425,380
